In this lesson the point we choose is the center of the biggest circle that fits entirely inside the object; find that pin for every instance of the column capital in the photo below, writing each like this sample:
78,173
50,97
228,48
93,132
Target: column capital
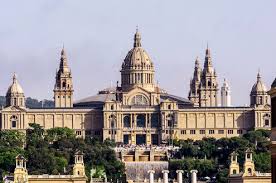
151,171
165,171
193,171
179,171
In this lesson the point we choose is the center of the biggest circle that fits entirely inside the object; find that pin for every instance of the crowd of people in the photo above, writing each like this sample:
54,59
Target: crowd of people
144,147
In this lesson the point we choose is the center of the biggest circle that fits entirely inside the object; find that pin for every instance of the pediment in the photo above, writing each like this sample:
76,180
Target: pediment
168,101
138,89
14,109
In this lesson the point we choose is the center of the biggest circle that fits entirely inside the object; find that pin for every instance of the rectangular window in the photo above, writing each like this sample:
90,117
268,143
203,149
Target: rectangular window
211,131
98,132
220,131
202,131
230,132
13,124
192,132
239,131
183,132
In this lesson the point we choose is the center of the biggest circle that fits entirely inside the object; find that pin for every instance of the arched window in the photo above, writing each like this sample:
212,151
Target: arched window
249,171
14,102
261,100
63,84
139,100
234,171
127,121
141,120
248,156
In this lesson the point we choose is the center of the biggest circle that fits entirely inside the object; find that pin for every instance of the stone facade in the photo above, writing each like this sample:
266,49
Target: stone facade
139,111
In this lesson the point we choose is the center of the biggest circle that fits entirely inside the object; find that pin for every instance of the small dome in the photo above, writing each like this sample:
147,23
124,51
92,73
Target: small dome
259,86
137,56
15,87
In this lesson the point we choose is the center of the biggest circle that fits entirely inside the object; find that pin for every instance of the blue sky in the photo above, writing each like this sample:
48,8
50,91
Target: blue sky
98,34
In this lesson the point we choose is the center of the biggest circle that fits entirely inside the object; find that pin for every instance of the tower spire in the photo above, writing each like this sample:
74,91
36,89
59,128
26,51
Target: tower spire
63,90
208,51
137,39
258,75
14,78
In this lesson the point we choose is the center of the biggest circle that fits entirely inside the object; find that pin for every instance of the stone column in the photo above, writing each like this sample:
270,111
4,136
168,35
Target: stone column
193,176
179,176
165,176
151,176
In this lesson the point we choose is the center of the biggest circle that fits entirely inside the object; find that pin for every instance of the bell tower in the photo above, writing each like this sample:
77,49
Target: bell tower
63,91
234,166
20,172
209,87
78,169
194,84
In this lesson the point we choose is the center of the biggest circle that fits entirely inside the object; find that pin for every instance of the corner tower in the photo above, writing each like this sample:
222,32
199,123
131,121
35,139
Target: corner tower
209,87
63,91
259,95
137,68
15,94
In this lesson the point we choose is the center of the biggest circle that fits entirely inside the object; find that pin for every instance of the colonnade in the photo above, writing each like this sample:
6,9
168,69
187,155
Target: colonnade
179,176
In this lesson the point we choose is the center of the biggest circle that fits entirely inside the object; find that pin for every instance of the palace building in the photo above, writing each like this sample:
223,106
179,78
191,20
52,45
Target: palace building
138,111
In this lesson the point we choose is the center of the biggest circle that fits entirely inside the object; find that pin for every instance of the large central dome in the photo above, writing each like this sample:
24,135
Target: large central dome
137,68
137,56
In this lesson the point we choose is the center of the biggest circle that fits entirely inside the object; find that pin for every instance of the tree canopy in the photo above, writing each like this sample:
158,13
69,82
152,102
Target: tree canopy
211,157
52,152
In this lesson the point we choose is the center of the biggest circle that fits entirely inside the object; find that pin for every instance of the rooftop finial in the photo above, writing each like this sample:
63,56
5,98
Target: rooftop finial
208,52
137,38
63,50
14,78
197,61
259,75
